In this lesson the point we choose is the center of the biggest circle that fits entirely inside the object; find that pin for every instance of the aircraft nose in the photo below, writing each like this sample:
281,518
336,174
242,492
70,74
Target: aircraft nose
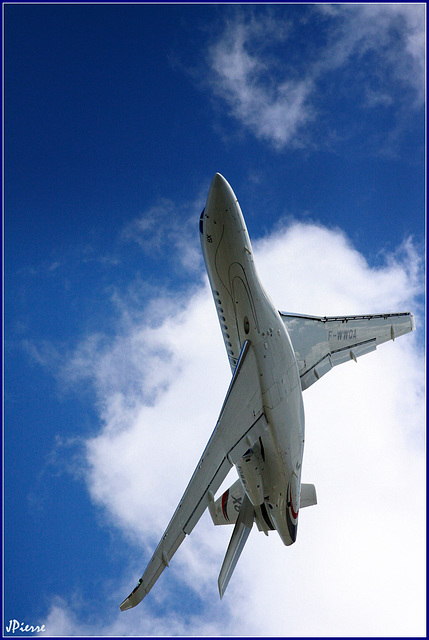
218,182
220,196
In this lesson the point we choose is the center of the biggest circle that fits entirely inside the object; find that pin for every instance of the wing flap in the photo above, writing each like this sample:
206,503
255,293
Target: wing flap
322,343
241,417
213,486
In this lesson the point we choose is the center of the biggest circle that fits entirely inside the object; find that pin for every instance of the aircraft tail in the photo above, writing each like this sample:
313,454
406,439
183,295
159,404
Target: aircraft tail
226,508
239,537
234,507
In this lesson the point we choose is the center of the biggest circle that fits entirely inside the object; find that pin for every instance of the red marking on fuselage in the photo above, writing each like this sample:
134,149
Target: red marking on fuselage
224,504
294,514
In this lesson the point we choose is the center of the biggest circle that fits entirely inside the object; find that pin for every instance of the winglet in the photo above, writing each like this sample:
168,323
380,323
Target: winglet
134,598
239,537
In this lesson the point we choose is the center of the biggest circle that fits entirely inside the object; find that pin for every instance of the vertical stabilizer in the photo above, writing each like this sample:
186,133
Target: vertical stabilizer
239,536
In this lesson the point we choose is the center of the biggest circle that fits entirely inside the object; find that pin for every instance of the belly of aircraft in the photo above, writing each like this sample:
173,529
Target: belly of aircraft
246,312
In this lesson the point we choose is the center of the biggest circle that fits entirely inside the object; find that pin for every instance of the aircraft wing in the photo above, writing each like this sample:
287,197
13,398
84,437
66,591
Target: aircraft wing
240,423
323,343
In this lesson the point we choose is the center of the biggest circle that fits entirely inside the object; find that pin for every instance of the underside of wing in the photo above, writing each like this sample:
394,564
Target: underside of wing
241,417
321,343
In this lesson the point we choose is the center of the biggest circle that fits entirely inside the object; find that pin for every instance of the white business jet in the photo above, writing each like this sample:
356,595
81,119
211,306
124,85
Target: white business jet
274,356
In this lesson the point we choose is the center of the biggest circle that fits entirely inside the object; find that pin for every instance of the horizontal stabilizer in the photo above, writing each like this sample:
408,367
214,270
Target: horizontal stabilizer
239,537
308,495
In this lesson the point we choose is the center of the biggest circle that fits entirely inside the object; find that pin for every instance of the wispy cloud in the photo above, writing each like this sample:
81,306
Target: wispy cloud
393,33
274,111
162,228
271,80
159,391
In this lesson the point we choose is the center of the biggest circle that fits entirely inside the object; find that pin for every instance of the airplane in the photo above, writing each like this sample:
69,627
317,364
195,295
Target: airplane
274,356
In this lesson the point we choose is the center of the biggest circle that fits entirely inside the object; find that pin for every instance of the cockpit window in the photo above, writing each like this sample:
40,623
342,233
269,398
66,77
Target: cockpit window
201,220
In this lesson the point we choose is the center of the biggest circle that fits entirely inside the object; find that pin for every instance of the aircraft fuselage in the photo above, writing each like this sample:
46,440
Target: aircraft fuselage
246,313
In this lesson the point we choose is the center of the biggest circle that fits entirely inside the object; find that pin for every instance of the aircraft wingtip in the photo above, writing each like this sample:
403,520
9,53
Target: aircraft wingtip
125,604
221,590
134,598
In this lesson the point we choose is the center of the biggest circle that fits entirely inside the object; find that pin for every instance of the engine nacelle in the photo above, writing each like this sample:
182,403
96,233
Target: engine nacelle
250,468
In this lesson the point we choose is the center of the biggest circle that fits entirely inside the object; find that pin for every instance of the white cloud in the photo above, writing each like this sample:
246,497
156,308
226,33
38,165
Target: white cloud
274,112
394,32
275,93
357,567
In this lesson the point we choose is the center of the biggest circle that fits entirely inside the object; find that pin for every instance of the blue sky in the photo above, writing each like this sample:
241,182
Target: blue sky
116,118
